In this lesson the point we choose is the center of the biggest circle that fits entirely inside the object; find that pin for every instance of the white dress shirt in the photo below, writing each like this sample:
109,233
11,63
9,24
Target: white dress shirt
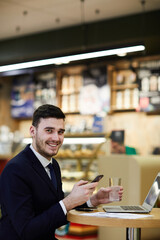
44,161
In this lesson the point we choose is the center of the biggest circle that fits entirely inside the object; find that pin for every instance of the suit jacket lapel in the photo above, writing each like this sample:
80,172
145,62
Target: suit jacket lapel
40,170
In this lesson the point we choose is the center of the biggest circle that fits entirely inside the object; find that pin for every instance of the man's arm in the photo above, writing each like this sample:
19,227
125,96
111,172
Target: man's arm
80,194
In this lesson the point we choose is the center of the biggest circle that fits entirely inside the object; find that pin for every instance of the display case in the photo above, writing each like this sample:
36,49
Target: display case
78,157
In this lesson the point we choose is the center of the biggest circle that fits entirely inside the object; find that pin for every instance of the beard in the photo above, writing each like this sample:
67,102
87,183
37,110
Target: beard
43,148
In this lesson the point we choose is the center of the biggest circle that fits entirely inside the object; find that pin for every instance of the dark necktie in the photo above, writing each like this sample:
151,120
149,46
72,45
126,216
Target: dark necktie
53,176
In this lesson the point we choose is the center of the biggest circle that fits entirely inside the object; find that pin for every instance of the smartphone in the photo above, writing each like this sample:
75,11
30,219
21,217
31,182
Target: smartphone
98,178
85,209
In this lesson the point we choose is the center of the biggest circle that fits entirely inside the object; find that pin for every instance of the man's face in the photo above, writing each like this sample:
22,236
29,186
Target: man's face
117,147
48,136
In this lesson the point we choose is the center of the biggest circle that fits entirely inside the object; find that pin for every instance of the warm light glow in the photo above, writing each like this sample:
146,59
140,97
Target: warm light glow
122,54
67,59
85,140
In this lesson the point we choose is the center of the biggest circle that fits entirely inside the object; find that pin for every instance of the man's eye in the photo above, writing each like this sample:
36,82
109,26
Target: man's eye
61,132
49,130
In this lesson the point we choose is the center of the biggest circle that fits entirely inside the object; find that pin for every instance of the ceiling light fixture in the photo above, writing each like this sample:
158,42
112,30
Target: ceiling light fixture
122,54
71,58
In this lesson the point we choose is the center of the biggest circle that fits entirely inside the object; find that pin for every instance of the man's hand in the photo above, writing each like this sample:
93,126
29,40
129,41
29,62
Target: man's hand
102,196
80,194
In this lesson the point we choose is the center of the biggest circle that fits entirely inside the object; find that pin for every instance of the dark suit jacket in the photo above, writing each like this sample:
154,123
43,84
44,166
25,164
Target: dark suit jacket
29,202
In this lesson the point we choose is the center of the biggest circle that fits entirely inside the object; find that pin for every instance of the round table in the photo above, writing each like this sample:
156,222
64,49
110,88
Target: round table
129,224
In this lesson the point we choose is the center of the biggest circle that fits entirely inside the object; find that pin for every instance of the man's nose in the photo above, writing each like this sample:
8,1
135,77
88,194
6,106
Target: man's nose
55,136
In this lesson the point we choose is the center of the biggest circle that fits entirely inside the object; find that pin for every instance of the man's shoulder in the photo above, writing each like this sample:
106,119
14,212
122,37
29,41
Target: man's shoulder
20,158
23,152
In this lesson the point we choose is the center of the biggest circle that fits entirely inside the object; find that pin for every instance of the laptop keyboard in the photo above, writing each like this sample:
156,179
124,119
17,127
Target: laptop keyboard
131,208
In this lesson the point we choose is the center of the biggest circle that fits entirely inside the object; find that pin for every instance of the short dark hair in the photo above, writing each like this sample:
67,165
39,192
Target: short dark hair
117,136
46,111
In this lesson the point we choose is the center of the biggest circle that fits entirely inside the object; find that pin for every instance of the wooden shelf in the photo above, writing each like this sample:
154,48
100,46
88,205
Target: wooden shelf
71,113
76,158
124,86
114,109
85,134
5,157
156,112
68,92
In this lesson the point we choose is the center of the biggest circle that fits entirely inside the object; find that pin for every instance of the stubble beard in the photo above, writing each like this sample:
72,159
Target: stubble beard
42,150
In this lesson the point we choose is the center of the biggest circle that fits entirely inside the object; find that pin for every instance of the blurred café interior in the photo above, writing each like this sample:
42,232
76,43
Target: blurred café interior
99,61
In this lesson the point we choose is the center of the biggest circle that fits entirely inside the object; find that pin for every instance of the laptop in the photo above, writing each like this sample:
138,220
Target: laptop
147,205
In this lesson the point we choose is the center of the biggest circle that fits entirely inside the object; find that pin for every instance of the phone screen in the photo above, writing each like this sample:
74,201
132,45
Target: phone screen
98,178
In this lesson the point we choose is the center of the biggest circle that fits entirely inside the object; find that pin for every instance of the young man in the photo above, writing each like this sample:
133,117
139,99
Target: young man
32,205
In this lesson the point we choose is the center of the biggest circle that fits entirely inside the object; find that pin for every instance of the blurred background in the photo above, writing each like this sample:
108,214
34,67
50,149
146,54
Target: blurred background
111,97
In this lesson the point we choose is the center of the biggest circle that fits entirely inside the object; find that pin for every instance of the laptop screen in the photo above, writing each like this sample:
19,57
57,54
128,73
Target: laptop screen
153,194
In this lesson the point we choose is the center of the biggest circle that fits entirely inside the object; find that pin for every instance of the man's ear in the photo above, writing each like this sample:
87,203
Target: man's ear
32,130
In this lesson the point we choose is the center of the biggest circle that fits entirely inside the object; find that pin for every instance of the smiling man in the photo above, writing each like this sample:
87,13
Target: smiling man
47,139
31,196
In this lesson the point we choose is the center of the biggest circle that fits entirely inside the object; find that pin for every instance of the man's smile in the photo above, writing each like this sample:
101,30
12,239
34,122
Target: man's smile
53,145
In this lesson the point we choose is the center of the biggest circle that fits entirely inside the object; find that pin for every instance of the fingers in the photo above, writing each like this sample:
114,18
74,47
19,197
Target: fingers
92,185
105,190
86,190
88,186
120,193
89,189
81,182
121,190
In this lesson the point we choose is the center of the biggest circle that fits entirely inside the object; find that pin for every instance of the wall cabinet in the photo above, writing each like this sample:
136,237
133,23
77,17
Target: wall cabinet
124,90
69,93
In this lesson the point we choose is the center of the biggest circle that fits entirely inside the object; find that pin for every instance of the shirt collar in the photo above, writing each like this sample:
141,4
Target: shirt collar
44,161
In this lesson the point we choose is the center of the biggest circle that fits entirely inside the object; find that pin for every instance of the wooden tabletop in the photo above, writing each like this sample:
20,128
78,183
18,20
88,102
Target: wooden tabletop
149,222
